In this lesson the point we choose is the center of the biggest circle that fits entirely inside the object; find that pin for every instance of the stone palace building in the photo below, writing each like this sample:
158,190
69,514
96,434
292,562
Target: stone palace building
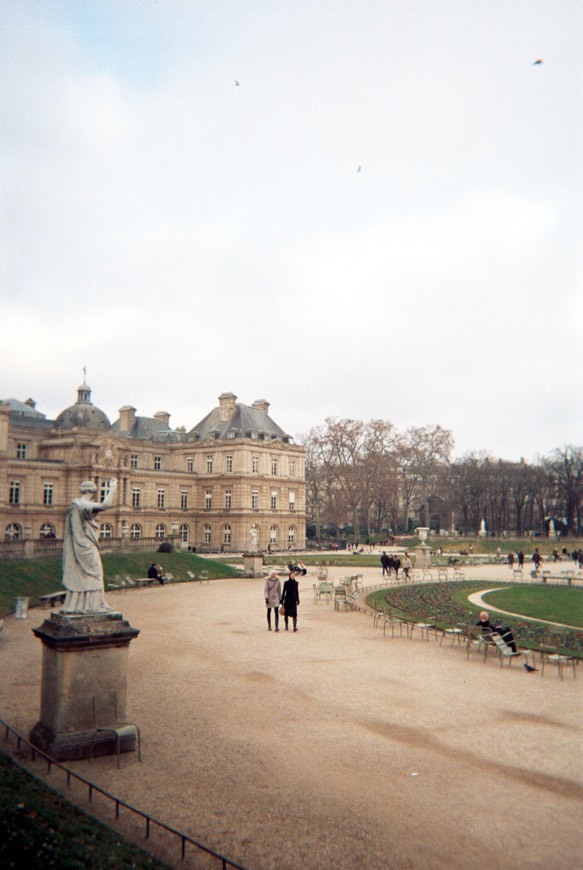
235,471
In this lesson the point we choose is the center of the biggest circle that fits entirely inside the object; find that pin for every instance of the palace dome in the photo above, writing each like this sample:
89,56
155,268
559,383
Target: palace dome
83,414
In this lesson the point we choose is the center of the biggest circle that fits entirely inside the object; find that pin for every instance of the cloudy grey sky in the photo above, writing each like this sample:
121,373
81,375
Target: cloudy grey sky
183,236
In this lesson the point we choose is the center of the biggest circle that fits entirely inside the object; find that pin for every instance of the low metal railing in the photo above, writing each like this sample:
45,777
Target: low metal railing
150,821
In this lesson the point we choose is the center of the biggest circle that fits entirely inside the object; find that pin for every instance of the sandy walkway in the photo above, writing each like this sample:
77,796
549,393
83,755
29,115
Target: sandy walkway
333,747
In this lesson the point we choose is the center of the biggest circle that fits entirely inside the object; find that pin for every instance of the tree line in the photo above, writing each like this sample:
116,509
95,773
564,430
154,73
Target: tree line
368,479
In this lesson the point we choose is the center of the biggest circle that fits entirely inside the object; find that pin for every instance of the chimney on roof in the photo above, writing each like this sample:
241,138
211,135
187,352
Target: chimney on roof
261,405
227,405
164,417
127,418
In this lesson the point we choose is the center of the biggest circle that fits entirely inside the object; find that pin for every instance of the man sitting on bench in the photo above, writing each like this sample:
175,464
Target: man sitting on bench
155,573
504,632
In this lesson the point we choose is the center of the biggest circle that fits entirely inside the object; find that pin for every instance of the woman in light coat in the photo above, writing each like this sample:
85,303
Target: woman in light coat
272,593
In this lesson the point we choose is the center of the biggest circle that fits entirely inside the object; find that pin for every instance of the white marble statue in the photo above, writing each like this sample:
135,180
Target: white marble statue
254,538
82,568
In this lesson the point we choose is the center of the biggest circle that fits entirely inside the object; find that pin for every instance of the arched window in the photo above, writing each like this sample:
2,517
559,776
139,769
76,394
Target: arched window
135,531
47,531
13,532
273,534
105,531
226,534
184,532
291,536
206,534
160,532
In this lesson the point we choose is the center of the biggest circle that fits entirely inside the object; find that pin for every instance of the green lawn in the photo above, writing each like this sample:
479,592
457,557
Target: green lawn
39,828
554,603
34,577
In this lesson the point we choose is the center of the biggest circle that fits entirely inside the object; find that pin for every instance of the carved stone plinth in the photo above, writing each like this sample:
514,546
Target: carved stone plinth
84,656
253,565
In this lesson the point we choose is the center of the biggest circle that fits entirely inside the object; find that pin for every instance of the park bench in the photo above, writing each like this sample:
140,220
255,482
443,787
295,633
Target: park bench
52,598
144,581
559,578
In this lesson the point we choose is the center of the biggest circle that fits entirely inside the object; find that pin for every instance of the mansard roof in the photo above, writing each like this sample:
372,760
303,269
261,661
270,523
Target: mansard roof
25,414
242,421
148,429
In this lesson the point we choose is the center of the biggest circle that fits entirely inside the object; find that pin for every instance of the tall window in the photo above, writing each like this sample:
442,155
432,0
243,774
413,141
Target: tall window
228,464
209,465
135,531
104,489
255,464
13,532
105,531
228,499
136,497
14,492
134,460
291,535
190,463
273,501
226,534
48,494
273,535
184,499
292,468
21,451
160,531
184,532
206,534
47,531
161,499
208,500
255,500
274,466
292,501
157,463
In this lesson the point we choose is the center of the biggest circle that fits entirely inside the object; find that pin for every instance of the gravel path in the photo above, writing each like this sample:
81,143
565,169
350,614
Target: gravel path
333,747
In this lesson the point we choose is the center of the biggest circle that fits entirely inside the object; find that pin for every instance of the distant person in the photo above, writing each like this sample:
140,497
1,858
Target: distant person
406,564
396,566
298,568
290,599
537,559
510,560
385,563
272,594
520,559
156,572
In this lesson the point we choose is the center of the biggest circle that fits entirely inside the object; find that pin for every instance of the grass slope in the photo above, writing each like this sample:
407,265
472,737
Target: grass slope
39,828
34,577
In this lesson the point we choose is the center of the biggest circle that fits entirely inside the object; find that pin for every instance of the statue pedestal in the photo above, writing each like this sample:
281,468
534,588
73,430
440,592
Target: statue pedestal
253,565
422,556
84,656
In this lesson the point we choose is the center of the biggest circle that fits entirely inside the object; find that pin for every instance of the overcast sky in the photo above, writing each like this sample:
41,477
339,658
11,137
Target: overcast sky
382,219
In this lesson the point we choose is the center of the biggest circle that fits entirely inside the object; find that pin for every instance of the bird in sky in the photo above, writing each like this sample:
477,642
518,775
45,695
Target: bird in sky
358,170
237,85
538,62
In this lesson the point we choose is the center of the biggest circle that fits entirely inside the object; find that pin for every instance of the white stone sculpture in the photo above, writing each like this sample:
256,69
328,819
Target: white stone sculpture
82,568
254,538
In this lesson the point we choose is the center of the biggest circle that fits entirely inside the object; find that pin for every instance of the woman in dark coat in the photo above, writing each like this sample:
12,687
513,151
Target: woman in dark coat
290,599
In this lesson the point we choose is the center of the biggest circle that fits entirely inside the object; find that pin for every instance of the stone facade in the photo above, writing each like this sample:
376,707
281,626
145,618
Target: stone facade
208,487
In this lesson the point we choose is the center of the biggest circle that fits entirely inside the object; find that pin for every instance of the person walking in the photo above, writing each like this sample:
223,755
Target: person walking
272,593
385,563
290,599
406,564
